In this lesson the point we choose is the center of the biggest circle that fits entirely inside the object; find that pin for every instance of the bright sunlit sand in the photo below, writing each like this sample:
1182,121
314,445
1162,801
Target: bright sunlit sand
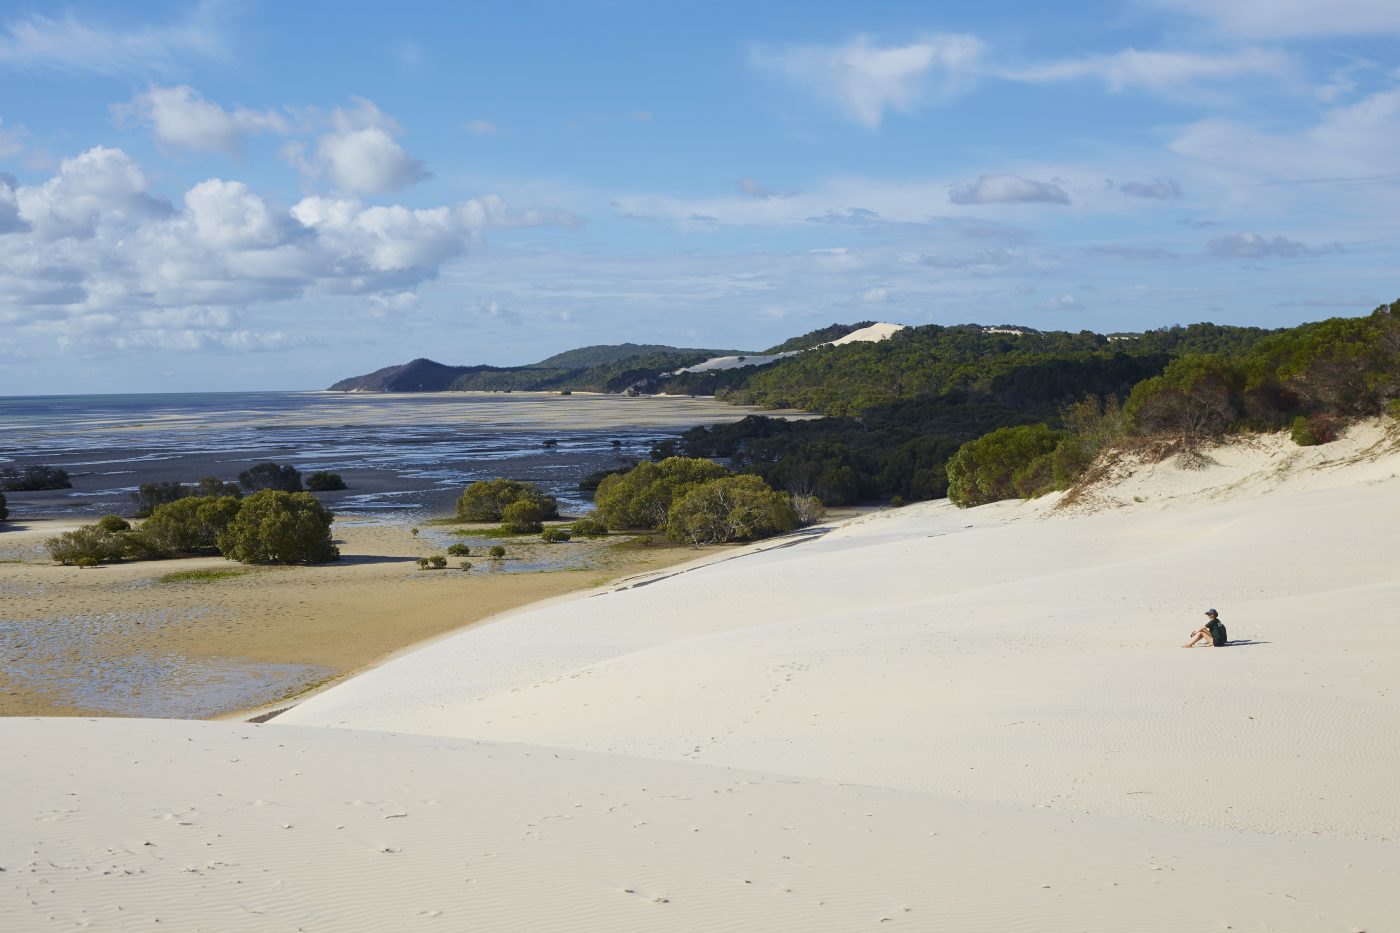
921,719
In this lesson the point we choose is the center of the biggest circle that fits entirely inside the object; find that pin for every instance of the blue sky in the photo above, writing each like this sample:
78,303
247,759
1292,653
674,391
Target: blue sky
232,195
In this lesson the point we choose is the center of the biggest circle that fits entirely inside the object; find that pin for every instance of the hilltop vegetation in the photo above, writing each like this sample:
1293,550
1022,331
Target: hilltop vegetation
600,368
1311,378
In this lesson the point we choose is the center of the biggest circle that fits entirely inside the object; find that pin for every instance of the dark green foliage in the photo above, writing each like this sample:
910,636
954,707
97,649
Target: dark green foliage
590,482
642,497
113,523
437,562
814,337
321,481
190,525
1195,397
496,552
1311,430
268,475
1092,425
213,486
274,526
523,516
85,562
636,370
34,479
465,565
424,563
603,354
150,495
1007,463
4,510
554,536
487,500
730,508
458,550
588,527
90,543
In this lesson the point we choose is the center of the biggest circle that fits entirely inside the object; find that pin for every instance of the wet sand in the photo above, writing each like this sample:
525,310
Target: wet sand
128,639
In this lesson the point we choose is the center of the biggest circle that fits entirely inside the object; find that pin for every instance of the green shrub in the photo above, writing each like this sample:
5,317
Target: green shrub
437,561
1302,432
191,525
466,565
279,527
149,496
1195,396
34,479
321,481
458,550
554,536
91,542
4,511
85,562
1311,430
523,516
1005,464
424,563
487,500
269,475
213,486
897,501
588,527
113,523
497,552
642,497
731,508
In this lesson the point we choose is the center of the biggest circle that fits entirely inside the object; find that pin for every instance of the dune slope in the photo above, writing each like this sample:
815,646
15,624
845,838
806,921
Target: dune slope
922,719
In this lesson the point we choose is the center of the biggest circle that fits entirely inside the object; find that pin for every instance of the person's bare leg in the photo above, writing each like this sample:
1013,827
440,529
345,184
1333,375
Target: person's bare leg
1198,635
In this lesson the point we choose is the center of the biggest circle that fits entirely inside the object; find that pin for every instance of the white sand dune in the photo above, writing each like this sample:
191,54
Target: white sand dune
872,334
924,719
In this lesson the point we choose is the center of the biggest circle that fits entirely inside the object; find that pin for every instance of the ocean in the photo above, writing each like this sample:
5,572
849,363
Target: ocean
397,452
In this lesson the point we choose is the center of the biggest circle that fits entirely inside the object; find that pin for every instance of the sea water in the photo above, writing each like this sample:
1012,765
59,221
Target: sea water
397,452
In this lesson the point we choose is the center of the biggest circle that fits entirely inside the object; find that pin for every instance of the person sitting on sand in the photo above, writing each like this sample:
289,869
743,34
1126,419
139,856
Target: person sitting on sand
1213,630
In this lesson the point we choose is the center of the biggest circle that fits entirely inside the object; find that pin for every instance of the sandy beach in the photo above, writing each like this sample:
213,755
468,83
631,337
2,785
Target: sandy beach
921,719
201,637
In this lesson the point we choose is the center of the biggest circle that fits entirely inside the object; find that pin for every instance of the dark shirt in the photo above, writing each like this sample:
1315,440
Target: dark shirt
1217,632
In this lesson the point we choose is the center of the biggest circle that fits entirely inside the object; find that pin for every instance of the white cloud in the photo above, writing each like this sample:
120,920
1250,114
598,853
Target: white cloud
1293,19
101,185
181,118
483,128
71,44
874,296
1255,246
360,154
1007,189
1355,140
95,260
864,80
1065,302
1158,70
1160,189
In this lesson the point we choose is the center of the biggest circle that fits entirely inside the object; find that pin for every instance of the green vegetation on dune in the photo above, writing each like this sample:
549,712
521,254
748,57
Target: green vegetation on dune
607,354
1308,378
819,336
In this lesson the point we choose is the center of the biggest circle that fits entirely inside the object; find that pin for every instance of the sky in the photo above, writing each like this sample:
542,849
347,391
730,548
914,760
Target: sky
255,195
